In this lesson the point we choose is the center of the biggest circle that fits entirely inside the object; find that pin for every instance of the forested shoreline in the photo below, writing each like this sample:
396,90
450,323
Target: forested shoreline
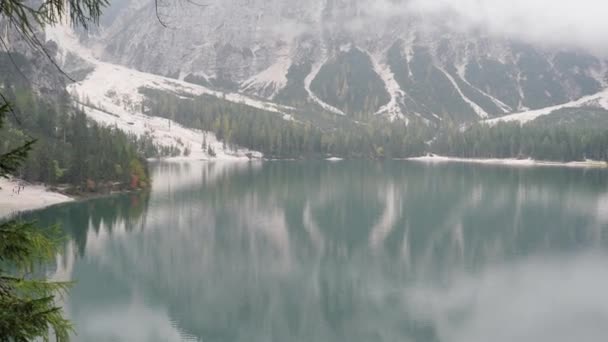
560,143
75,153
278,138
70,151
378,138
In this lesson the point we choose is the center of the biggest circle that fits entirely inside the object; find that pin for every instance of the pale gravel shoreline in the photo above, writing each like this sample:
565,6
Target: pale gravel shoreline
510,162
38,196
29,198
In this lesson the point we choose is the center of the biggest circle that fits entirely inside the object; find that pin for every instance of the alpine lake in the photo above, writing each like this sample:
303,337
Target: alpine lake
284,251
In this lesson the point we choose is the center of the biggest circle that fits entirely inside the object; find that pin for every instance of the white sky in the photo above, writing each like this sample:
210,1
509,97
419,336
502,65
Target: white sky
559,23
568,23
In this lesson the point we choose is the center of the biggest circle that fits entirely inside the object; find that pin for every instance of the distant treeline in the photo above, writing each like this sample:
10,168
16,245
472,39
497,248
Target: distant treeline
536,140
269,133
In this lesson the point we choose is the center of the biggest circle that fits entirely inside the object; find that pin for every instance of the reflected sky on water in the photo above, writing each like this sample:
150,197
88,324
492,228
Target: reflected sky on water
345,251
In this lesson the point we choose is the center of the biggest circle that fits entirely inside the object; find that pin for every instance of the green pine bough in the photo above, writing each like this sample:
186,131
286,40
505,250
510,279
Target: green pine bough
28,304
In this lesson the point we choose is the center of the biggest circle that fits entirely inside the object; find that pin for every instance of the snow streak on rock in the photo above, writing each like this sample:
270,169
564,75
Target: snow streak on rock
478,110
270,81
307,82
599,100
392,109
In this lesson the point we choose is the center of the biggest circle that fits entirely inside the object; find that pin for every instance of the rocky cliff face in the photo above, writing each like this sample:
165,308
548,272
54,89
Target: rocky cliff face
345,57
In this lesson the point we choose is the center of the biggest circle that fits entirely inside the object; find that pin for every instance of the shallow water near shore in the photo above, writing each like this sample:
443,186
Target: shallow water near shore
341,251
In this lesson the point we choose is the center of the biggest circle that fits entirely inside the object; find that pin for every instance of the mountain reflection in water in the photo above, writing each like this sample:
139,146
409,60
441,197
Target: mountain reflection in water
346,251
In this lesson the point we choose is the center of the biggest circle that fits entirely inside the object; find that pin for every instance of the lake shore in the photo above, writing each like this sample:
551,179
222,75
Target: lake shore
33,196
30,197
509,162
38,196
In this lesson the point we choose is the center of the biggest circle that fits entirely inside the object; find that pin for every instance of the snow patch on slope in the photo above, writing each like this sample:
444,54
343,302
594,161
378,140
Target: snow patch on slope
599,100
169,133
503,106
308,81
392,108
461,72
478,110
270,81
520,91
112,95
199,74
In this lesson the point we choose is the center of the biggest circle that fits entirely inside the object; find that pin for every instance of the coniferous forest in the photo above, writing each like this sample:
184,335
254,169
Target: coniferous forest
70,149
75,151
275,137
539,139
376,138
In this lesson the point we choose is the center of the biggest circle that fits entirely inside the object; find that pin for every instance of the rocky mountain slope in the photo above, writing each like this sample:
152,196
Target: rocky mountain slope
344,57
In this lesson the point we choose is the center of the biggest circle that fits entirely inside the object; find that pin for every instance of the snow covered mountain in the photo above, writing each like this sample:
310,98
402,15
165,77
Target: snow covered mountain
344,57
111,94
323,60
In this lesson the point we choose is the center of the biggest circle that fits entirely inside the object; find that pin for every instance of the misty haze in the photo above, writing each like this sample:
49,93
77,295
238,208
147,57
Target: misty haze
322,170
